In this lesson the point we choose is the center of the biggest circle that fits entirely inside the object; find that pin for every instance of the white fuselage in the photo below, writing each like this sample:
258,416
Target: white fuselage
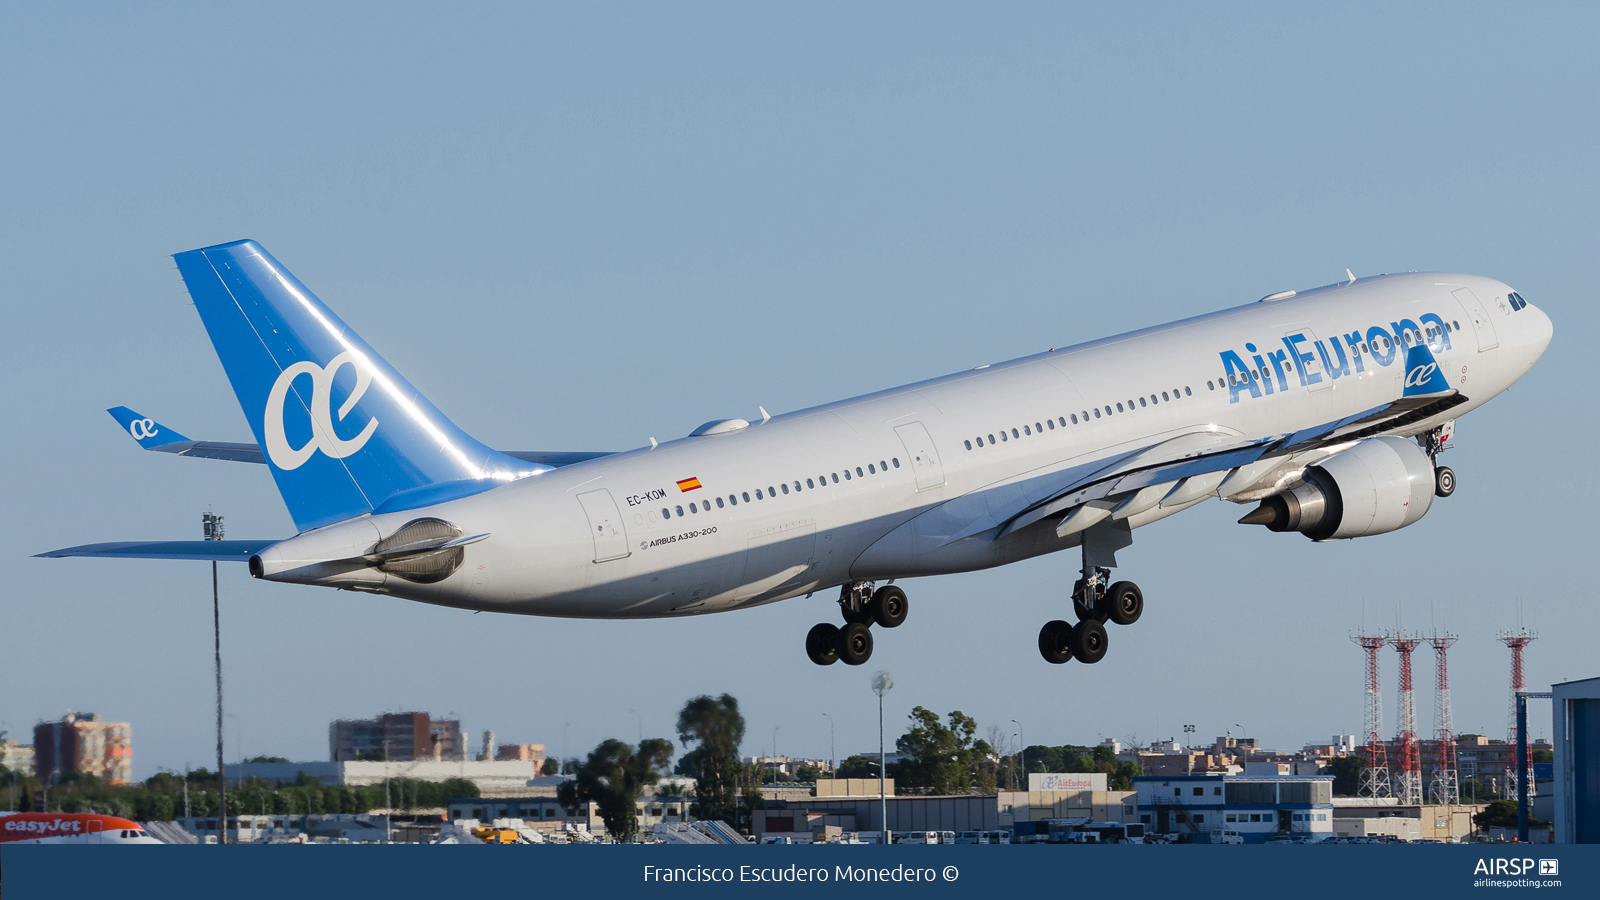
896,483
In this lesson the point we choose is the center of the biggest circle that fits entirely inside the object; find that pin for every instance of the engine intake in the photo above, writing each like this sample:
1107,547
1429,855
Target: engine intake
1377,486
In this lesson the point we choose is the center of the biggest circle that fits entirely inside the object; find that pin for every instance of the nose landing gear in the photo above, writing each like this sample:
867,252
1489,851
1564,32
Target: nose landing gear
861,607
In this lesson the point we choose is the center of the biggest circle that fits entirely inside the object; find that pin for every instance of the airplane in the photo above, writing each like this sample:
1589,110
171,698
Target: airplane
71,828
1326,408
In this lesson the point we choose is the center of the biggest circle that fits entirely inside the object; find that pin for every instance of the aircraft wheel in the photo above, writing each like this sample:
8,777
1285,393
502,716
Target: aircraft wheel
855,644
1089,641
890,606
1124,603
1055,642
822,644
1444,482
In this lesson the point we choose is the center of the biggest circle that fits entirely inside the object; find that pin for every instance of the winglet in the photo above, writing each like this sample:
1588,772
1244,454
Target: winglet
1423,377
149,433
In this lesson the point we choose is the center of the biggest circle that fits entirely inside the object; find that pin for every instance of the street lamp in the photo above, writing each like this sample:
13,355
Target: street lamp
641,724
1187,730
1022,756
882,683
833,756
212,528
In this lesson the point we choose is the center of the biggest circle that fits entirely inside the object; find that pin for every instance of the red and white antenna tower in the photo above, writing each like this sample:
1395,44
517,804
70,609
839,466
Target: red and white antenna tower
1518,641
1446,786
1375,780
1409,783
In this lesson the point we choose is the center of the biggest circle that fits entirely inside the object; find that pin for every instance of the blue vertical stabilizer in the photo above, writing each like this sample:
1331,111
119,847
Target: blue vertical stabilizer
342,431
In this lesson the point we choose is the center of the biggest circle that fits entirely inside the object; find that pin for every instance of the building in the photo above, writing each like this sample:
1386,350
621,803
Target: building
487,775
83,743
1384,816
15,756
397,736
533,753
863,812
1258,807
1575,715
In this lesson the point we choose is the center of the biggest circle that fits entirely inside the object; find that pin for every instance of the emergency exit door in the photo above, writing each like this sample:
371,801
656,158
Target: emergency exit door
605,525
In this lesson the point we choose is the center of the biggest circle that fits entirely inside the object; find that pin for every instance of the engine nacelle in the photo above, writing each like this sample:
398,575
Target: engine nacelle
1379,485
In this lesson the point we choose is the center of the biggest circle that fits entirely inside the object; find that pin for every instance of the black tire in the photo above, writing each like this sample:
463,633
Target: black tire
1089,641
1055,642
822,644
1444,481
1124,603
855,644
890,606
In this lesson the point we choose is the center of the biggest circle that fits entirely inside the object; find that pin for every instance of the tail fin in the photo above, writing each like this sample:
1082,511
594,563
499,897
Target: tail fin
344,434
1423,378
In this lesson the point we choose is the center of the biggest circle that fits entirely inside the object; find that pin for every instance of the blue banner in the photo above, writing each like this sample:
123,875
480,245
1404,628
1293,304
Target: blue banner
245,872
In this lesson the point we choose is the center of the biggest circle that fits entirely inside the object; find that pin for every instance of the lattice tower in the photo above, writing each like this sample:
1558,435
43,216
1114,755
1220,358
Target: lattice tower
1446,785
1375,780
1408,783
1518,641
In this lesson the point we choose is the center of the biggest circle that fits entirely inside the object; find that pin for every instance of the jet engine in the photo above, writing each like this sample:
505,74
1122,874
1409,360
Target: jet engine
1378,485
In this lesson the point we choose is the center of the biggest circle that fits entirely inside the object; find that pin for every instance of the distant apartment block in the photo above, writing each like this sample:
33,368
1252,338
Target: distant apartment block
531,753
405,736
84,744
15,757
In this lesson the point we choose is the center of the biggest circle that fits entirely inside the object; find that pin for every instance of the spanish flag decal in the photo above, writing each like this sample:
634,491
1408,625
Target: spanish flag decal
689,484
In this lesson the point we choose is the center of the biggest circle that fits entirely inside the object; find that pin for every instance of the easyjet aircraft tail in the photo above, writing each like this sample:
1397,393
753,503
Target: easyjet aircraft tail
343,432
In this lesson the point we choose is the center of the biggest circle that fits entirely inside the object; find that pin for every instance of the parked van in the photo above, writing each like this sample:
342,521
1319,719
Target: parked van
973,837
918,837
1227,837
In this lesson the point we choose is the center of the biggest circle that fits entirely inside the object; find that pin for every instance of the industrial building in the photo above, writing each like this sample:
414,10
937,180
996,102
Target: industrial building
1575,714
397,736
1257,807
486,774
83,743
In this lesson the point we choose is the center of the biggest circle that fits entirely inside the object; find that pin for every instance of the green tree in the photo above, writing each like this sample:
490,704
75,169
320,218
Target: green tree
550,767
611,778
1346,771
859,766
937,757
715,728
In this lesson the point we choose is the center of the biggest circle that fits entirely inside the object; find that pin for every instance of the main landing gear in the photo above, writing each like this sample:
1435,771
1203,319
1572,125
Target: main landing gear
1095,602
862,607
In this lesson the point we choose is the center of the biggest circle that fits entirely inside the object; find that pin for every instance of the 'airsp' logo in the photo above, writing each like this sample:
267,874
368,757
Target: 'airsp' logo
1419,376
142,429
322,435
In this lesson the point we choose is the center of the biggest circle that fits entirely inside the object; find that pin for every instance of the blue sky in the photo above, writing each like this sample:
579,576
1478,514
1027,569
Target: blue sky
577,227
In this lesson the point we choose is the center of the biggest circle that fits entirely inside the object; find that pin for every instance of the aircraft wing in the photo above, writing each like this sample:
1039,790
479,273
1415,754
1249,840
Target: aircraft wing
1122,486
152,435
220,551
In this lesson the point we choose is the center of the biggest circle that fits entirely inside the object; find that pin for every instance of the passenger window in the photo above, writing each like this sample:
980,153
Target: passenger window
1152,399
991,438
1074,418
797,486
858,471
719,503
836,477
1456,324
1141,403
771,492
680,510
1014,433
896,461
1097,412
1119,407
1051,423
758,493
980,442
1163,396
666,513
1210,386
1003,436
1063,421
785,487
1187,392
1026,430
692,508
968,443
1108,410
1037,428
733,500
884,467
809,484
871,469
747,496
846,475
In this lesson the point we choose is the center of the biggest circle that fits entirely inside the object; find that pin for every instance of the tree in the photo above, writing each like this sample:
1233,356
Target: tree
550,767
1346,771
611,778
939,758
859,766
716,729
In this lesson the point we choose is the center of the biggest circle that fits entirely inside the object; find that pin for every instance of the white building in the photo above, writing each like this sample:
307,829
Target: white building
1258,807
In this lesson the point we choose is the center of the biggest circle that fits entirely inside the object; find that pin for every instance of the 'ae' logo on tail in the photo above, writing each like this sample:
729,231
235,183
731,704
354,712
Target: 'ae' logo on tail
323,437
1422,373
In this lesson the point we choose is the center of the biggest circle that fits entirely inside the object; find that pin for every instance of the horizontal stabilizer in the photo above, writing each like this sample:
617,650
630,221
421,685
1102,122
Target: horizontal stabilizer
152,435
220,551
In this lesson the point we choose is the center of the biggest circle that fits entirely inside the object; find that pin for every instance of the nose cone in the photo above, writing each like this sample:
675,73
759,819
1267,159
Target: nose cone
1541,329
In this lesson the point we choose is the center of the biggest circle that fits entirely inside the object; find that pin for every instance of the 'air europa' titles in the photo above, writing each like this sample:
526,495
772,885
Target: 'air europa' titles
1313,361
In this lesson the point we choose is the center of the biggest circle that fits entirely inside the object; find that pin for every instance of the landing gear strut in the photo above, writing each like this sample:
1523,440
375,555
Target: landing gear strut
862,607
1433,443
